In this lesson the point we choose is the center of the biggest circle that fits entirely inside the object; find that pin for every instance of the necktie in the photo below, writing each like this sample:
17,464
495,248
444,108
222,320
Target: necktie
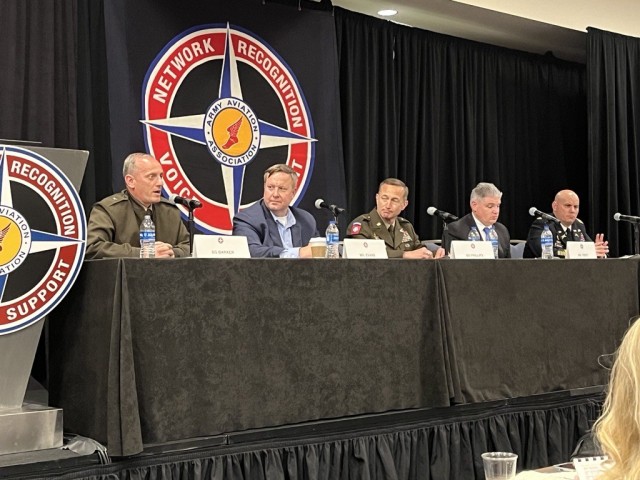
487,234
569,234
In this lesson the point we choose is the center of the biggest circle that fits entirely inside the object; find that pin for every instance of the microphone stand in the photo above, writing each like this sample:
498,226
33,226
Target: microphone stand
190,224
335,213
636,238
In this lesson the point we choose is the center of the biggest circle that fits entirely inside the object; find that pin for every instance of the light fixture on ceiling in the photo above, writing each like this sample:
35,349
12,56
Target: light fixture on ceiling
387,13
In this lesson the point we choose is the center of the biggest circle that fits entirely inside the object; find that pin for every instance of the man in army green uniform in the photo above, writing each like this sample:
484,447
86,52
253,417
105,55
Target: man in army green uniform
114,223
384,223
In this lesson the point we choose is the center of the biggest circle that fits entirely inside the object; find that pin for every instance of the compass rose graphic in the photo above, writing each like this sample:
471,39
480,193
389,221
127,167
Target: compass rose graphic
33,296
230,131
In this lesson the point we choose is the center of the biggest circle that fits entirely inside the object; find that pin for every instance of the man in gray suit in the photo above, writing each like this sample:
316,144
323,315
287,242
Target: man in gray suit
485,208
274,228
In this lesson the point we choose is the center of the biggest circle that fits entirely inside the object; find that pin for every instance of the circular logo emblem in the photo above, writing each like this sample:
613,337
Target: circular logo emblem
42,237
232,133
220,106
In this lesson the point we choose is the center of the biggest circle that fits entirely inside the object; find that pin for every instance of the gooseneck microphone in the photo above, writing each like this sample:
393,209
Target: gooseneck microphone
190,203
445,216
534,212
626,218
320,204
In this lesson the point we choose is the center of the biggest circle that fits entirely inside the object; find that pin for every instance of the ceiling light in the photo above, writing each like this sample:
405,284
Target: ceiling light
387,13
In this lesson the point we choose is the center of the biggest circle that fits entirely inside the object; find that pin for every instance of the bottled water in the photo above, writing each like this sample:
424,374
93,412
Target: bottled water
147,238
493,236
333,238
474,235
546,242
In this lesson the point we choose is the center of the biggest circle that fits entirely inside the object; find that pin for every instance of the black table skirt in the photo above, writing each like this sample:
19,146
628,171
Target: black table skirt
149,351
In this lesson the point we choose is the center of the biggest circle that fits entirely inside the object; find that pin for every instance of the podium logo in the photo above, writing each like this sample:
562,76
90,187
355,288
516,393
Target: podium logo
42,237
220,106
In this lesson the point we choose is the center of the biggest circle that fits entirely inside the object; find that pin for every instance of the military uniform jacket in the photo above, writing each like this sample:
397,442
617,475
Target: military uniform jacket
114,227
533,249
371,226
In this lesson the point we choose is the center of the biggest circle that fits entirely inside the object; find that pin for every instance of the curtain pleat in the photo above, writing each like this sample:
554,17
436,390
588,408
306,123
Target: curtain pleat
444,113
613,73
445,449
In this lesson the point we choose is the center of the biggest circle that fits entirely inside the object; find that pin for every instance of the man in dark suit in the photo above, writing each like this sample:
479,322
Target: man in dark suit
565,206
485,208
273,228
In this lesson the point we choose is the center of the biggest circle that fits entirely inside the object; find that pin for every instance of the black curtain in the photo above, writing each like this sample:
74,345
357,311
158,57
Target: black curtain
53,85
443,114
613,74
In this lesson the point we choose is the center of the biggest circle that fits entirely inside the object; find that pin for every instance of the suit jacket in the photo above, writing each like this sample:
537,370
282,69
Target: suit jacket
459,230
533,249
257,224
371,226
114,227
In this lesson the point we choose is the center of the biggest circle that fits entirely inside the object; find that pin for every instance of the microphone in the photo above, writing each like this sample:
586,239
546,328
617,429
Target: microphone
626,218
534,212
320,203
445,216
190,203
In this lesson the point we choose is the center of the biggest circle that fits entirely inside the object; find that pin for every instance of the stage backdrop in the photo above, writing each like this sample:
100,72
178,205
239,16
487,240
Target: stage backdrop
218,92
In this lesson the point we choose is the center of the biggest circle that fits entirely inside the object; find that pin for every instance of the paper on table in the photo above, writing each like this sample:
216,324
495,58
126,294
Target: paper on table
588,468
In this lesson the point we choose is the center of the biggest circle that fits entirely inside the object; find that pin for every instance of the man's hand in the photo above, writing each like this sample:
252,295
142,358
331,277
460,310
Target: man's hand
602,247
422,252
164,250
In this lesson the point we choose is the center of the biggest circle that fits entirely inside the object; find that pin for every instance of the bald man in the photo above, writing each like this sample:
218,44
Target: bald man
565,206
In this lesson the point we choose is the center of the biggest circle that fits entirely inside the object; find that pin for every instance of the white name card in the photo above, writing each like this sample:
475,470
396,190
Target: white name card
220,246
581,250
363,248
471,250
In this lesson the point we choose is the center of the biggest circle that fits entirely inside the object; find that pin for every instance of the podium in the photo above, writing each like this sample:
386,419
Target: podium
50,242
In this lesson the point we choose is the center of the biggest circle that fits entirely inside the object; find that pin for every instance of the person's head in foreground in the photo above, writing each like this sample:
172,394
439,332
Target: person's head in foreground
618,428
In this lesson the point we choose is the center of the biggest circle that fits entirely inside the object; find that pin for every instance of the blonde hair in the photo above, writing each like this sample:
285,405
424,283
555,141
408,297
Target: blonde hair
618,428
281,168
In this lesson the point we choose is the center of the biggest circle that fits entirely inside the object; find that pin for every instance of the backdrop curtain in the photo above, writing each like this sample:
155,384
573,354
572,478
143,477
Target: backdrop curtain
53,86
443,113
613,74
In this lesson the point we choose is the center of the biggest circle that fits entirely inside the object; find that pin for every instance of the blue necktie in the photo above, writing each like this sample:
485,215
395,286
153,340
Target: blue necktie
487,236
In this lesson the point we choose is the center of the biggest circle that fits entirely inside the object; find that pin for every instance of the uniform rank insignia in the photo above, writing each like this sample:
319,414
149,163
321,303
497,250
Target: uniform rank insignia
355,228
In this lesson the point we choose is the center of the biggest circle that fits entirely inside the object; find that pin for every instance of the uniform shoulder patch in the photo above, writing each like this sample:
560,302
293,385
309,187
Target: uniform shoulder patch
355,228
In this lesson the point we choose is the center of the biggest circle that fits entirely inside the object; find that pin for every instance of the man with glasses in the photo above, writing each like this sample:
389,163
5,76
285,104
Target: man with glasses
274,228
384,223
485,208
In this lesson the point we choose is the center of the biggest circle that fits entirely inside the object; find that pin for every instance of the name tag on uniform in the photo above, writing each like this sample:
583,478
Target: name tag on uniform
470,250
581,250
220,246
363,248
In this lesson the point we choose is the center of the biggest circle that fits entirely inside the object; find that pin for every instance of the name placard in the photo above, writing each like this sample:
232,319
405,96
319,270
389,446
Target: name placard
363,248
581,250
471,250
220,246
